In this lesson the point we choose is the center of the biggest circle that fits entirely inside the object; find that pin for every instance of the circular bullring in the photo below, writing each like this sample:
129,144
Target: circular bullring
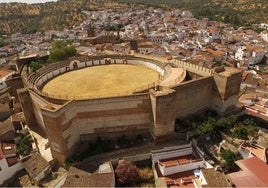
104,80
83,77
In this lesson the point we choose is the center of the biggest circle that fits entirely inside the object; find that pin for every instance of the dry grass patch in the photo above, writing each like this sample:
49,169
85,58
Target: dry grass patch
106,80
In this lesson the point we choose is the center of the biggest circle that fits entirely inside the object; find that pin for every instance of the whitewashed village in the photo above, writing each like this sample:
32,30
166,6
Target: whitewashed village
192,158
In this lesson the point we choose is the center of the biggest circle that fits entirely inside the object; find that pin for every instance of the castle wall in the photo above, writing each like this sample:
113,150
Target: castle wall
68,122
193,96
226,89
199,70
14,84
27,107
38,103
164,112
169,104
87,118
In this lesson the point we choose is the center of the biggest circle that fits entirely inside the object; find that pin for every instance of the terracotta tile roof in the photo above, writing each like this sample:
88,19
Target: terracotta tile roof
89,175
83,168
215,52
178,179
177,160
254,173
12,160
8,147
90,180
6,127
3,73
35,164
147,44
215,178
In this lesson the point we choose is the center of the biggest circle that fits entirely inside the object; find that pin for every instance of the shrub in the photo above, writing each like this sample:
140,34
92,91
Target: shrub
127,174
249,121
146,175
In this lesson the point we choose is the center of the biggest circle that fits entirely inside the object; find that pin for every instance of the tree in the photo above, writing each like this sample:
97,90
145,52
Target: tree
249,121
127,174
240,131
2,32
2,42
61,50
35,65
229,158
24,145
226,123
207,127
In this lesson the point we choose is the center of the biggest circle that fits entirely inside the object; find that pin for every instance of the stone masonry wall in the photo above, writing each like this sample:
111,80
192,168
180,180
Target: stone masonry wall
87,118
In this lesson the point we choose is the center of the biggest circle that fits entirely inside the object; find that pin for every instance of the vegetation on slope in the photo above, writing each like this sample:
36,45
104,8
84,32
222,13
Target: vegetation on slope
61,50
235,12
29,18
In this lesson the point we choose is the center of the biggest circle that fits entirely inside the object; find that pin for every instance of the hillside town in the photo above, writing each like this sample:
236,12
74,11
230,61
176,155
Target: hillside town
167,34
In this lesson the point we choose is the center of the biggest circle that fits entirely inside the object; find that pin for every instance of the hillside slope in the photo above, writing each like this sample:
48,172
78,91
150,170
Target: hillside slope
235,12
28,18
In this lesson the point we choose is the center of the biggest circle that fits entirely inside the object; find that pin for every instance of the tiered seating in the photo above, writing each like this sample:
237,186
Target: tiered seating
34,77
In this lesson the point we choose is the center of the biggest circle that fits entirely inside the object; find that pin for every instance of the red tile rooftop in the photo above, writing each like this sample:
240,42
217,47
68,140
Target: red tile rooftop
178,160
254,173
182,179
8,147
3,73
12,160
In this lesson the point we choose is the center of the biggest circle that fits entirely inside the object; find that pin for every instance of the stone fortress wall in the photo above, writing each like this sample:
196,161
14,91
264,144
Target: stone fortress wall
67,122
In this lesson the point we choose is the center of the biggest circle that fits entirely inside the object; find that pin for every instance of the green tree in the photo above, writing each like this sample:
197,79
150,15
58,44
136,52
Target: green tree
35,65
24,145
229,158
61,50
2,32
249,121
240,131
207,127
2,42
226,123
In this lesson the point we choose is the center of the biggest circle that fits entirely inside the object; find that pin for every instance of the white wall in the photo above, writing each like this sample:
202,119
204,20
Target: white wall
147,64
3,85
202,178
56,72
181,168
7,172
170,154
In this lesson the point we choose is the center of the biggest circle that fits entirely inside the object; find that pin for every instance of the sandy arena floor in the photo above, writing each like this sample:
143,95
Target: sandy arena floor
100,81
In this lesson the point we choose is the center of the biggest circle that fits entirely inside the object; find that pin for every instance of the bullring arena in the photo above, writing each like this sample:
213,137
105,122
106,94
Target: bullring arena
155,94
102,81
